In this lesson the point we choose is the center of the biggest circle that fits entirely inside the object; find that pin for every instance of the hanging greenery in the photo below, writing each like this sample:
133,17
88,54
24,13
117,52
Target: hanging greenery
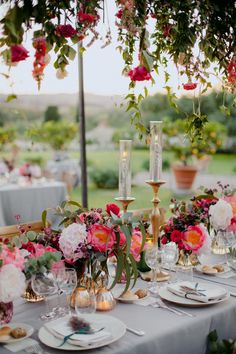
197,36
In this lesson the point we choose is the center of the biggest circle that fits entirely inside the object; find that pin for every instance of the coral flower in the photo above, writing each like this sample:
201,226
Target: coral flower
194,238
189,86
136,243
101,237
140,73
18,53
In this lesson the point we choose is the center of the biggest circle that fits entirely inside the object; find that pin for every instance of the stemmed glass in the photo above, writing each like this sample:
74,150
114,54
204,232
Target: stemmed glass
152,259
170,254
85,301
66,279
44,284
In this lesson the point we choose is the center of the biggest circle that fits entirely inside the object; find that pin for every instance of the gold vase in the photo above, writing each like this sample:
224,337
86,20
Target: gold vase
187,259
29,294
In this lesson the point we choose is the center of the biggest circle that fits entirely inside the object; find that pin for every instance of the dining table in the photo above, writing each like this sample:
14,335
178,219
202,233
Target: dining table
26,202
166,332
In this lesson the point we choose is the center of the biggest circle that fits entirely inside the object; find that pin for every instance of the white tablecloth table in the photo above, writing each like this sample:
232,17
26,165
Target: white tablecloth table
29,201
166,333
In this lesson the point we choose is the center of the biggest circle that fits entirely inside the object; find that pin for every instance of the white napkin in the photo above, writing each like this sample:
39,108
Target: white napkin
60,328
21,345
205,293
146,301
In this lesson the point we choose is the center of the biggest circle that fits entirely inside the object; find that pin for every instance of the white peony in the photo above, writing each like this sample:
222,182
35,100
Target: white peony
71,237
12,283
220,214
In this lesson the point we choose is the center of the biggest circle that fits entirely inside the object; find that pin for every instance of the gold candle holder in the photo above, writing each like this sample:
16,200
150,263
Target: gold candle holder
156,222
125,202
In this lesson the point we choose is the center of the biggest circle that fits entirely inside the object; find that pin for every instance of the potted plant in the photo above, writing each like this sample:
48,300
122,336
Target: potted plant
187,153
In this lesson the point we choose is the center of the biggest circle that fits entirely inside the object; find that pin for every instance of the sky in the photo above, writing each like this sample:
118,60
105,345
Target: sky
102,70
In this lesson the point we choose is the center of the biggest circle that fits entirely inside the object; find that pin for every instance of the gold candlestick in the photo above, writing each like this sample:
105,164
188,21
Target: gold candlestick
125,202
156,222
155,215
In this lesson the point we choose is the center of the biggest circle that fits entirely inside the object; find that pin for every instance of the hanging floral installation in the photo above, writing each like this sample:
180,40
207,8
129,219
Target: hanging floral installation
197,36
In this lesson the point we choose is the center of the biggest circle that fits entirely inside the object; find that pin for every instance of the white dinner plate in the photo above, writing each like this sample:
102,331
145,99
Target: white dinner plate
165,294
28,328
111,324
200,266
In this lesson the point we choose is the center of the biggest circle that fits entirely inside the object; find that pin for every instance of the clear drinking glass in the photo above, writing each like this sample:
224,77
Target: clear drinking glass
85,301
44,284
152,260
66,279
170,254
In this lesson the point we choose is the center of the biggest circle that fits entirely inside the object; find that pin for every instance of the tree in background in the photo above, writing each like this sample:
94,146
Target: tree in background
52,114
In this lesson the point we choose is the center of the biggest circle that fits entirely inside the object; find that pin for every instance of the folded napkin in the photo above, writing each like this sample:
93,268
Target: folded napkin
60,328
198,292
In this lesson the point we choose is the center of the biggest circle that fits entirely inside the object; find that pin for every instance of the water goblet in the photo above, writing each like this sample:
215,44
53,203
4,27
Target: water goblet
85,301
44,284
169,257
152,260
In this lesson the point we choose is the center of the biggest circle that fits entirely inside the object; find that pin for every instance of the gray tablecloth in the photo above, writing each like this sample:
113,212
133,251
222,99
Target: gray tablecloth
166,333
29,201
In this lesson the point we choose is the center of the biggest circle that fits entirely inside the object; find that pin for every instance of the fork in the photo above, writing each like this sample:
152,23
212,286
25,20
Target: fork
35,349
179,312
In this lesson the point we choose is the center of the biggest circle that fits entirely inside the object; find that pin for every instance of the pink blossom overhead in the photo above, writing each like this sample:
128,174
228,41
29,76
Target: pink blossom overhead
140,73
86,17
189,86
18,53
66,31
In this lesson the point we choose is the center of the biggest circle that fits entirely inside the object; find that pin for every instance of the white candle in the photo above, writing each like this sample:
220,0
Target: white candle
124,169
155,150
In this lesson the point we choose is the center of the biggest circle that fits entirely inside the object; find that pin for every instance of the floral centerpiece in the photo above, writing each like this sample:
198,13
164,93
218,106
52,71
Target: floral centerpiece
12,279
91,237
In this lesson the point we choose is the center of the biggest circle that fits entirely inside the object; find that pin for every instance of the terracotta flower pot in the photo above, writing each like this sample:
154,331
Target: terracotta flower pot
184,176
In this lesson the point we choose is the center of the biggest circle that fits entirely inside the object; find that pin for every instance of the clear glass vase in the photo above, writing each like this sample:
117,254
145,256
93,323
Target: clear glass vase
6,312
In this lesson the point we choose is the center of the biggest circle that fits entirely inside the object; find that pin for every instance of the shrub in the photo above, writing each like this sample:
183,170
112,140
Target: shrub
104,179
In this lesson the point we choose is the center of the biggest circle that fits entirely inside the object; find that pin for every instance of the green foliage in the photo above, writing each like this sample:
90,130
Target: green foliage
7,135
41,264
216,346
56,134
35,160
52,114
104,179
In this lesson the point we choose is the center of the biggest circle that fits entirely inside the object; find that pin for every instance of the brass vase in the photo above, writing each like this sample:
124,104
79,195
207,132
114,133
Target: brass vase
187,259
29,294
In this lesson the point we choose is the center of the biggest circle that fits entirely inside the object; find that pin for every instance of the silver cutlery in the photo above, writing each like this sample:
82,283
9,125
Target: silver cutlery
179,312
135,331
35,349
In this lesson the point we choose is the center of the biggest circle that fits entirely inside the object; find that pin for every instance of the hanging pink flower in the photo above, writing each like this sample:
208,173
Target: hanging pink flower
189,86
119,14
140,73
232,72
86,17
194,238
18,53
101,238
39,44
66,31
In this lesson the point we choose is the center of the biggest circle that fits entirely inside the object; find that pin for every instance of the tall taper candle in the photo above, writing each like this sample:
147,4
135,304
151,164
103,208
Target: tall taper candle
125,169
155,150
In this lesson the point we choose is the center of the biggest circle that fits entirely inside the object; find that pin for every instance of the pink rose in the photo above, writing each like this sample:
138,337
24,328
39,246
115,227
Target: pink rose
140,73
136,243
18,53
101,237
194,238
176,236
66,31
12,255
189,86
112,208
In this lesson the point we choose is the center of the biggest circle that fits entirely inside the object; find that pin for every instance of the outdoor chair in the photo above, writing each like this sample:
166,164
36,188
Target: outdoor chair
16,230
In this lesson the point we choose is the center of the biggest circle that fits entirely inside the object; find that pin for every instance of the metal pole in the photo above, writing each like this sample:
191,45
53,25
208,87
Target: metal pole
82,130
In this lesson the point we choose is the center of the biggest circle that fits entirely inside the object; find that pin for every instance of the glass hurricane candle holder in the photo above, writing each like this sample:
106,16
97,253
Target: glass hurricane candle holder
125,169
104,300
155,150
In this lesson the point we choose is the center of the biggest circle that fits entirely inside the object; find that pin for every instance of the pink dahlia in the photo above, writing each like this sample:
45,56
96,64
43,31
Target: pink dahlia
194,238
101,237
140,73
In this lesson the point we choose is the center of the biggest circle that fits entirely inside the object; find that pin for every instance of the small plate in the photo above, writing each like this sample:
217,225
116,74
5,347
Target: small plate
29,330
130,301
199,269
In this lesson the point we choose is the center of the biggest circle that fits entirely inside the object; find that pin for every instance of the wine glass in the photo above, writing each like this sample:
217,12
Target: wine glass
85,301
66,279
169,257
44,284
152,259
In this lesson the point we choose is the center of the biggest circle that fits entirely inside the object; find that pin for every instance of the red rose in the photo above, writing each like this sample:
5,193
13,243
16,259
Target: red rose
140,73
180,245
176,236
29,246
190,86
83,17
66,31
112,208
18,53
232,72
164,240
119,14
